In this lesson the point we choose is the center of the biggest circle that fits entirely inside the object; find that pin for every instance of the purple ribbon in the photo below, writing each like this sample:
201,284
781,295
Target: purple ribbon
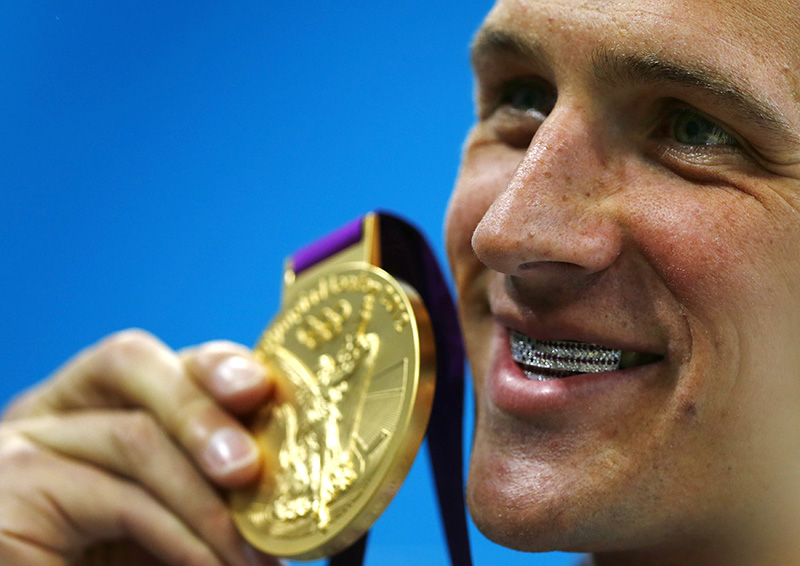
406,255
328,245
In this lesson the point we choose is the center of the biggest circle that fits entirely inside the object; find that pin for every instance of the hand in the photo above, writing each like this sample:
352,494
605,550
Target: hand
117,459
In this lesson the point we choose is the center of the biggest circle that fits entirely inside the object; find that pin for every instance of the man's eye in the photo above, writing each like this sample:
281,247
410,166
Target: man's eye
528,95
692,128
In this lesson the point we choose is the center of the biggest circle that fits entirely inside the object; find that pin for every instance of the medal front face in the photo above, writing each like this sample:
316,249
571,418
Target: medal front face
352,354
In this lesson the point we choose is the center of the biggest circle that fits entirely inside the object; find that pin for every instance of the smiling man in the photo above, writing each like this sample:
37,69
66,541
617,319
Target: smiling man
625,240
630,194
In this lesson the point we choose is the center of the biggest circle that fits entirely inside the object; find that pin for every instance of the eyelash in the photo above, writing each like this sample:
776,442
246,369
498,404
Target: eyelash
514,90
524,103
670,126
519,109
700,162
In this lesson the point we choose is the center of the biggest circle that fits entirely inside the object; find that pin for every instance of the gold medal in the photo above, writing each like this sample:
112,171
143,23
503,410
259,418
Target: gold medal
353,358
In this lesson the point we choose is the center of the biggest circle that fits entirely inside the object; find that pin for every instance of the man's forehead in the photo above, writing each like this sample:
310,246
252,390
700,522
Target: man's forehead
761,40
774,19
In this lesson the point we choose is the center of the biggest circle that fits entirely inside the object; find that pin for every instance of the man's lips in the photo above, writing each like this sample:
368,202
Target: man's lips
542,360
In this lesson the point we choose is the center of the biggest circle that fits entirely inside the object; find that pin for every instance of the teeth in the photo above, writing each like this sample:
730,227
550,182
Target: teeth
562,355
545,359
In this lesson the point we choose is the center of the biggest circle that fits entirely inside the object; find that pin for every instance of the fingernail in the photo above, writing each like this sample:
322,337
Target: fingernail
237,373
229,450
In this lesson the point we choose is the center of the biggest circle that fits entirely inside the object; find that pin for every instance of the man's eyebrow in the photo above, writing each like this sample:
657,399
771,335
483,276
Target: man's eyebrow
610,66
613,67
493,41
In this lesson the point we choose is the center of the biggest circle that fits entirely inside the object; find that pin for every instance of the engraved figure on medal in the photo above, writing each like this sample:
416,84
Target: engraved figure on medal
321,456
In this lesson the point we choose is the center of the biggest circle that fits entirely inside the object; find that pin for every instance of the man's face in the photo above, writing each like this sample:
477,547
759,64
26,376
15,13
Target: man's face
632,182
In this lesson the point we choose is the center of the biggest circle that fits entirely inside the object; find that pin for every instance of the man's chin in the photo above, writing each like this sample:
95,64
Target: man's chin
517,532
537,506
516,518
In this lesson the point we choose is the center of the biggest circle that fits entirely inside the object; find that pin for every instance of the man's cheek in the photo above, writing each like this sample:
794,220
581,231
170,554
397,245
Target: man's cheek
700,250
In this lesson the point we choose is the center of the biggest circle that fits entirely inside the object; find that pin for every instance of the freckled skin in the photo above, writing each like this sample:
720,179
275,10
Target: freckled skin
693,252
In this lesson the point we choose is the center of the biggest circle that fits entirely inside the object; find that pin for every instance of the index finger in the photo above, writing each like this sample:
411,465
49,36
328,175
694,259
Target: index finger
135,369
230,373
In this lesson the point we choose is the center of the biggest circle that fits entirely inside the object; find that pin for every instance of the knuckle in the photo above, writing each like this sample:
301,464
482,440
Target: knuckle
133,353
193,417
16,451
132,343
186,549
137,436
217,518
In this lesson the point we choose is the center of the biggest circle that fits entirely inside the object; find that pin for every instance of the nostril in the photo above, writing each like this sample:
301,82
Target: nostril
552,280
543,265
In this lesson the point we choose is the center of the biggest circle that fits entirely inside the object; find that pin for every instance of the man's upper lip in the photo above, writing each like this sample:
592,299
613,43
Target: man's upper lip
593,319
608,338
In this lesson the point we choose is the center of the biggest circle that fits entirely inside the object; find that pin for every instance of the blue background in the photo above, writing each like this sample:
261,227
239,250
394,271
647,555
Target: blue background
159,160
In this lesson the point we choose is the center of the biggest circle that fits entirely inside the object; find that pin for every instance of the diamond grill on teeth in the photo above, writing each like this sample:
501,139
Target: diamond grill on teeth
552,359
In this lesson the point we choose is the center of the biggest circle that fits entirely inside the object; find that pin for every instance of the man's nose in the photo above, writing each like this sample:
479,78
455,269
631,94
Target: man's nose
557,214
